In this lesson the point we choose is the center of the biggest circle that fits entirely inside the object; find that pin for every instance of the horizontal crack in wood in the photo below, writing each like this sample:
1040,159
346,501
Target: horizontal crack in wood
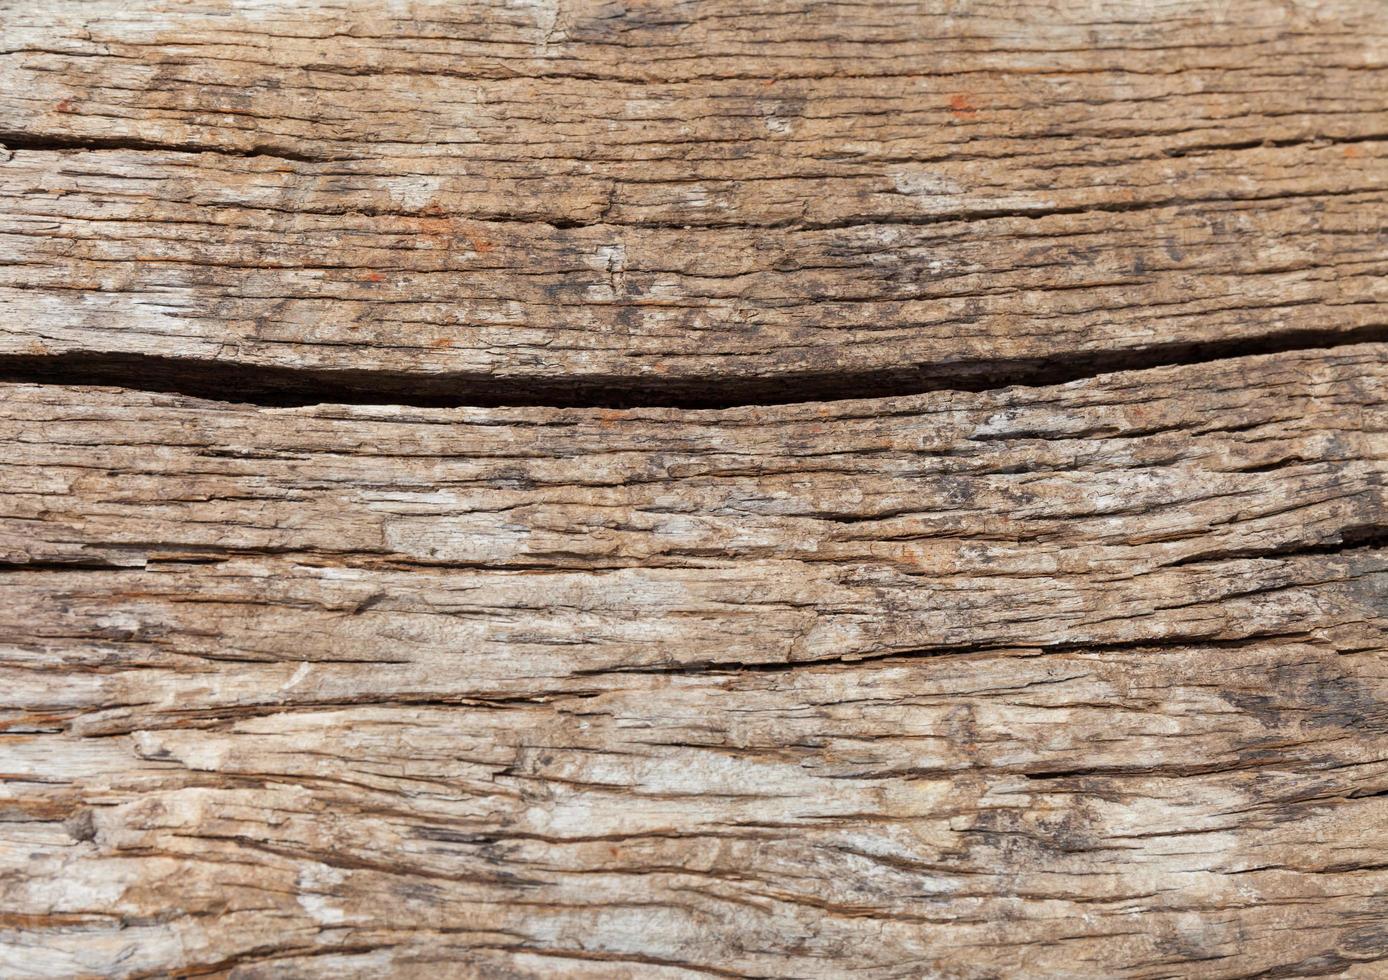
275,386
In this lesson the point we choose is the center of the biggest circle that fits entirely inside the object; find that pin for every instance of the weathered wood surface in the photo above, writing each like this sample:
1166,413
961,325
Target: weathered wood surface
361,689
469,199
1075,668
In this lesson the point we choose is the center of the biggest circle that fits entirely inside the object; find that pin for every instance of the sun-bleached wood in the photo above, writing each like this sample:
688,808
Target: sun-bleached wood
909,660
478,196
1084,680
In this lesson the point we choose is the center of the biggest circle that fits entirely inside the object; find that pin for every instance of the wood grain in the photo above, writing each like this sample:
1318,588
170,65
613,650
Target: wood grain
587,685
598,489
694,203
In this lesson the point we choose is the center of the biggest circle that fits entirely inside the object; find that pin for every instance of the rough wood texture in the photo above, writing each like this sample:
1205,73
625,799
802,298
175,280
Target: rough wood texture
391,613
700,202
362,689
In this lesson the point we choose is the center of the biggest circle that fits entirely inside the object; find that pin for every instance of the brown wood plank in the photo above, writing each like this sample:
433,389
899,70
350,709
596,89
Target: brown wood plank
699,202
678,489
362,688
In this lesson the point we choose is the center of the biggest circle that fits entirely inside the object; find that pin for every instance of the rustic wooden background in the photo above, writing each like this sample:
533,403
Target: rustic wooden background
585,488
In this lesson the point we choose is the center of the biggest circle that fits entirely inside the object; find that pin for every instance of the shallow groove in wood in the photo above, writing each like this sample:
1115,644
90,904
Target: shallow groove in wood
17,142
